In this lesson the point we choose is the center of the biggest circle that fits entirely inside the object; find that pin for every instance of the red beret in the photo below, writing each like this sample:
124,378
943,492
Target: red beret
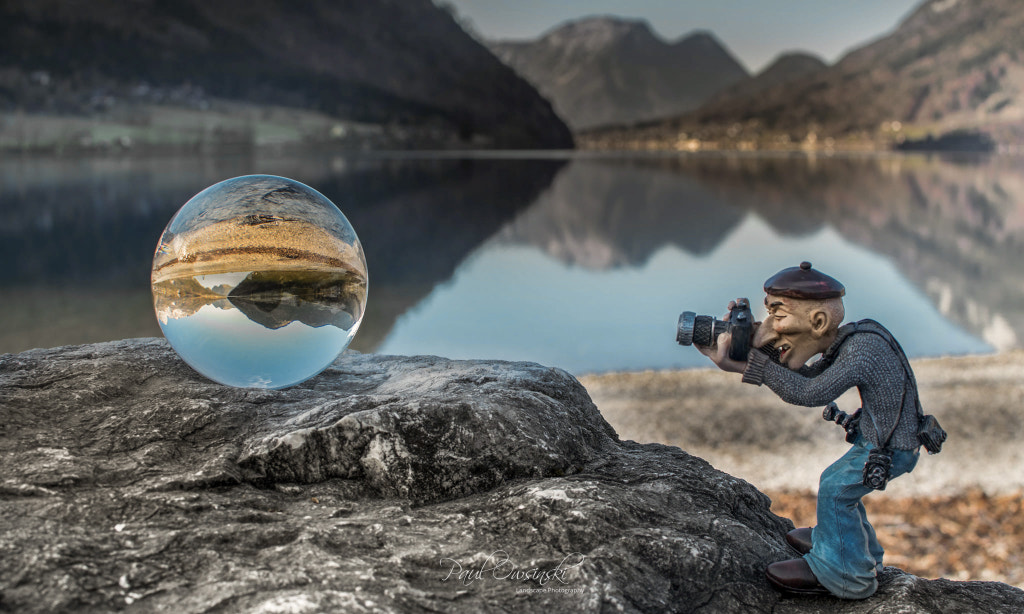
803,282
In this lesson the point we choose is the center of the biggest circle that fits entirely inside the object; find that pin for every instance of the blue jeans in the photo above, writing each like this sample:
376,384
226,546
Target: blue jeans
846,556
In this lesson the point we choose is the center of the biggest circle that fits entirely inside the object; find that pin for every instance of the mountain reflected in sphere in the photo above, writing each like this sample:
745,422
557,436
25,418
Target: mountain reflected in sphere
259,281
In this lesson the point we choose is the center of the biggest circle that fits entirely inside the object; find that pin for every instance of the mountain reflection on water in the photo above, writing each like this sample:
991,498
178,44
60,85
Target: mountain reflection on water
264,329
272,299
929,246
275,299
81,232
953,228
580,261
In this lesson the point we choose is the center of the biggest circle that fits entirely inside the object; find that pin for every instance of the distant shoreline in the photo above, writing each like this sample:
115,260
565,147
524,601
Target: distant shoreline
232,127
224,127
663,139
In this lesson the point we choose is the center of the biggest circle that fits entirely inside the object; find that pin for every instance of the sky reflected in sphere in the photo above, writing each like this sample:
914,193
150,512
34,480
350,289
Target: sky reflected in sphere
259,281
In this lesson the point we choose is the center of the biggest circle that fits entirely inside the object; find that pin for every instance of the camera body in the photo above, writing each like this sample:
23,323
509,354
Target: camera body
876,469
704,330
931,435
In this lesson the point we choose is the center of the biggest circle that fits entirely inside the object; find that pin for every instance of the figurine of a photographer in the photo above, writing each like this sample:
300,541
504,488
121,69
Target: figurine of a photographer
841,554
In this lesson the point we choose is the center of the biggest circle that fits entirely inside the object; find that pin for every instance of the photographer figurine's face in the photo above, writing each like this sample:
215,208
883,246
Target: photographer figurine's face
801,328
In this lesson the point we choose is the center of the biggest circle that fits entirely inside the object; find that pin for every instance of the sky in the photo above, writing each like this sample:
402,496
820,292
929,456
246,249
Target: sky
756,31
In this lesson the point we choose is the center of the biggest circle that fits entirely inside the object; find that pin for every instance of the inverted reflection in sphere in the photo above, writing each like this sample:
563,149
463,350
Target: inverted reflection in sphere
259,281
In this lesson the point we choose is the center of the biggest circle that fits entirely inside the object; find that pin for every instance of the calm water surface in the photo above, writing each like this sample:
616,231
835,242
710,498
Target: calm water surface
578,261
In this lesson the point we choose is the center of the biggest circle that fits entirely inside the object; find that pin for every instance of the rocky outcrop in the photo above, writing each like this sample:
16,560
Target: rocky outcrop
384,484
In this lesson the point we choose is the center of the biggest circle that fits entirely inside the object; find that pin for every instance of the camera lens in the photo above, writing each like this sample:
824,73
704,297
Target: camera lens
684,330
703,330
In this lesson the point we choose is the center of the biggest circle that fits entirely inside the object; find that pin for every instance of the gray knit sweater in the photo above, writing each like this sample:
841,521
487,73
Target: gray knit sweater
864,360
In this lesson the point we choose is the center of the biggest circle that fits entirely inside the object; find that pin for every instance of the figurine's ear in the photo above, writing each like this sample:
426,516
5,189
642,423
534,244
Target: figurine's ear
820,321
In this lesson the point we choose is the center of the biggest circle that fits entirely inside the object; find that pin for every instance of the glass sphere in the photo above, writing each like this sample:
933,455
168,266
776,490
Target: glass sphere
259,282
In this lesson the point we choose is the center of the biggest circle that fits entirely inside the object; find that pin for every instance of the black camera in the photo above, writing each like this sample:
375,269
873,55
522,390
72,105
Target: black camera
704,330
850,423
876,469
931,435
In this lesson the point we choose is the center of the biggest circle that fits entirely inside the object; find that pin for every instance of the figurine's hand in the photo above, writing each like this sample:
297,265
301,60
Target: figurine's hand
719,354
728,310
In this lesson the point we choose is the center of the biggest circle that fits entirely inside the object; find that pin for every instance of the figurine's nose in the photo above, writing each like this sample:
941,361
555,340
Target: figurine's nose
766,334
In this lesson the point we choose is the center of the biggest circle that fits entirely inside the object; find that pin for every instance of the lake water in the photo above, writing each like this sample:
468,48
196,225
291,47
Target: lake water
581,261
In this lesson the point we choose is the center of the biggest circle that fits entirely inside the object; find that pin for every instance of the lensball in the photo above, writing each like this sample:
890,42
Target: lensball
259,282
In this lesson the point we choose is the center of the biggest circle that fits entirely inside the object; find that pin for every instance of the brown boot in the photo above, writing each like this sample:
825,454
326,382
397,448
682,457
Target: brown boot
800,539
795,576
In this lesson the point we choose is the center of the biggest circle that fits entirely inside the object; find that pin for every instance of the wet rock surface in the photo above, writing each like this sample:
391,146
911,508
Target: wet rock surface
404,484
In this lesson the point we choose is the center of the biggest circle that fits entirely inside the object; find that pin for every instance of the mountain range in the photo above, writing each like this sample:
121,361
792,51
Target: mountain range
951,67
604,70
786,68
403,73
404,65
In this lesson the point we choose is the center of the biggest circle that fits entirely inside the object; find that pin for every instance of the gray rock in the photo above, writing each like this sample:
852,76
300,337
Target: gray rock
386,484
